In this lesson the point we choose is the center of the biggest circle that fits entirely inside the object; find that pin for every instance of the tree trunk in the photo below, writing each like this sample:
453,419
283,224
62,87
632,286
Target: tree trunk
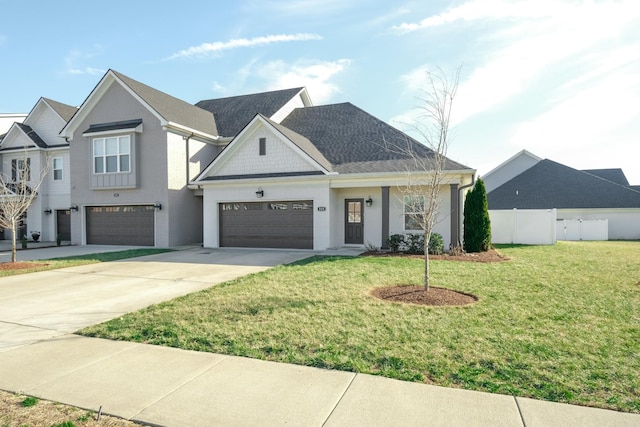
426,261
13,242
426,271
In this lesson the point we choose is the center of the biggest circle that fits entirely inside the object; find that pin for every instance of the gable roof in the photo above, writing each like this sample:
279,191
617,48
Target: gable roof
32,135
613,175
63,110
232,114
548,185
171,111
354,141
298,141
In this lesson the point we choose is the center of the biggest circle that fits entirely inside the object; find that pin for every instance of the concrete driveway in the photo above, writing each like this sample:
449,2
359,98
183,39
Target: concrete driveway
39,306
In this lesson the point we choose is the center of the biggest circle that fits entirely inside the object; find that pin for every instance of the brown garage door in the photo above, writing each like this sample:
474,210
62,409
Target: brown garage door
267,224
120,225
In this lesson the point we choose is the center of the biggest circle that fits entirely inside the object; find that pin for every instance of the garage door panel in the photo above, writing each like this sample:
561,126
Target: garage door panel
120,225
283,224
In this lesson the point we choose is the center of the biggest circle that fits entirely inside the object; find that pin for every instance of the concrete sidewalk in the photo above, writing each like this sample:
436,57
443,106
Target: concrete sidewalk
172,387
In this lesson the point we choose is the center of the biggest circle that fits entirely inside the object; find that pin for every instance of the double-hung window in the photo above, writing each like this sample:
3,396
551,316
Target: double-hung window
112,154
414,213
21,170
57,168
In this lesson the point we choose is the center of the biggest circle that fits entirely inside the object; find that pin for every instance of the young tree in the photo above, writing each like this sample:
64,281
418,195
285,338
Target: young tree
477,225
422,193
18,189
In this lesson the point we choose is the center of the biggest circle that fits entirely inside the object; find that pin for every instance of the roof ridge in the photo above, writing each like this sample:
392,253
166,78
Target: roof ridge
252,94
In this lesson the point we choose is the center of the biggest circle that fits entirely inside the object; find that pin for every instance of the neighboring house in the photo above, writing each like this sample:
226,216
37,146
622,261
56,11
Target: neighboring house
8,119
258,170
593,195
36,141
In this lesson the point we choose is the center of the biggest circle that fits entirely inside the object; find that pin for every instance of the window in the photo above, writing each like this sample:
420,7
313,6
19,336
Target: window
354,212
112,154
20,171
414,212
57,168
263,146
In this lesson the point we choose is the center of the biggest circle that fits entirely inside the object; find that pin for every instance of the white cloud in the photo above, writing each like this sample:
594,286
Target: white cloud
486,10
209,49
535,38
75,58
315,75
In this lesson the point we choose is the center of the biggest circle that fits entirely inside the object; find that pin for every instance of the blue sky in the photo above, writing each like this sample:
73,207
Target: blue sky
558,78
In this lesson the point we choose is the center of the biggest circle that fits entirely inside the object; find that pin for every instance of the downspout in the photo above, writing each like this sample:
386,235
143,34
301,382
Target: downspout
461,211
186,139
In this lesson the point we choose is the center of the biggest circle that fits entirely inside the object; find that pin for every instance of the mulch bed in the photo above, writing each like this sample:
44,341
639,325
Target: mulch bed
489,256
417,295
20,265
434,296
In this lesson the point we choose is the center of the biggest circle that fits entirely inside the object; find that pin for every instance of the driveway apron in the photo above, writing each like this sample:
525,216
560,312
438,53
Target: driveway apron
47,304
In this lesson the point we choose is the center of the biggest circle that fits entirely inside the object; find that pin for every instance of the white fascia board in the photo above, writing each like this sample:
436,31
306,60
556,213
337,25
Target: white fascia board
226,183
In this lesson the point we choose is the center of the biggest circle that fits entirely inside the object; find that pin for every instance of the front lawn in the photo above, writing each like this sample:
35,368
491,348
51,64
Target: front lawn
559,323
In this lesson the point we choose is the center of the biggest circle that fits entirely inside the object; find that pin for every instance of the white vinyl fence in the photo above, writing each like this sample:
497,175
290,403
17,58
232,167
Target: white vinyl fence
582,229
523,226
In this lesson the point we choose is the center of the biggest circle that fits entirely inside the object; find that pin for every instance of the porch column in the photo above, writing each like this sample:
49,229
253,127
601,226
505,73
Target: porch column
455,214
385,217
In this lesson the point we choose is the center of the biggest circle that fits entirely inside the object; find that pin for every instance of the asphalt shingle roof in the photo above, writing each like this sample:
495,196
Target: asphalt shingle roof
172,109
232,114
65,111
548,185
32,135
354,141
613,175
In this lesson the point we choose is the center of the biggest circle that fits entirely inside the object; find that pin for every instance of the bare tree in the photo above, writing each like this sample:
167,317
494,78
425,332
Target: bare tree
18,190
421,195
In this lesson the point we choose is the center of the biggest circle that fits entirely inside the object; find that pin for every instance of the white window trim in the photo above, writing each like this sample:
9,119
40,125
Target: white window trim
405,212
61,168
104,156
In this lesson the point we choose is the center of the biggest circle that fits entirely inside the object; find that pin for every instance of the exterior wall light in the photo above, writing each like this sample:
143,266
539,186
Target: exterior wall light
157,206
369,202
260,193
73,207
48,211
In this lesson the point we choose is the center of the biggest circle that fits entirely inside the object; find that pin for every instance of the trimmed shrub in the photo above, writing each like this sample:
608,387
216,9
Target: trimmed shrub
436,244
477,225
415,243
395,241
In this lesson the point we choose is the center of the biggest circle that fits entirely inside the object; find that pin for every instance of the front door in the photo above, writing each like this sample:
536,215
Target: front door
353,221
63,219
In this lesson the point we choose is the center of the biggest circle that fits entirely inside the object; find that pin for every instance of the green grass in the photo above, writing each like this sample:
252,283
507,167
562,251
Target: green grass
559,323
72,261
